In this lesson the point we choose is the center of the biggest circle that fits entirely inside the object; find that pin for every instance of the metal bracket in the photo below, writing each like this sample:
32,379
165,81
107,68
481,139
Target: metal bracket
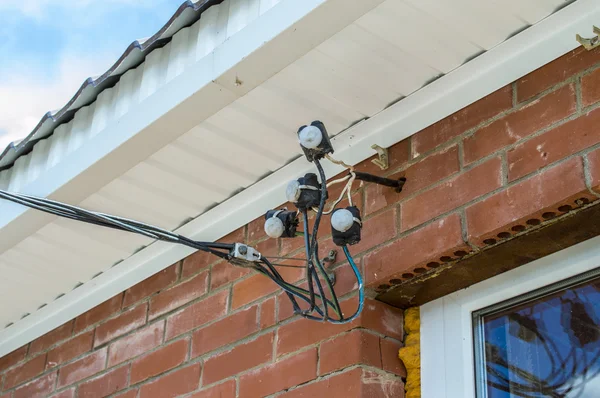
383,161
331,259
590,44
245,252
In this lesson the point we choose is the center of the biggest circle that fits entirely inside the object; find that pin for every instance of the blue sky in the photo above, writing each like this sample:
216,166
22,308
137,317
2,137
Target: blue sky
48,47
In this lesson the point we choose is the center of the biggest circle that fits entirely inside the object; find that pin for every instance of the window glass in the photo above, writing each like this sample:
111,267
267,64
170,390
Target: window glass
547,346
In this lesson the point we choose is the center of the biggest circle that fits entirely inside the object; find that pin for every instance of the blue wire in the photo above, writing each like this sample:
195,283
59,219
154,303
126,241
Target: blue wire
361,289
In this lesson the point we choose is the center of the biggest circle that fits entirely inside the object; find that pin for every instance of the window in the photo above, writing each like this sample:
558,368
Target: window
546,344
530,332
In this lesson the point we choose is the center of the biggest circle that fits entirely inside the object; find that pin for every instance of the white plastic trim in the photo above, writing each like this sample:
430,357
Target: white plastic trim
177,104
447,360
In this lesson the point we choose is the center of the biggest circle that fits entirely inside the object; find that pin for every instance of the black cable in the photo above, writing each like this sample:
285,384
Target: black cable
114,222
223,250
309,261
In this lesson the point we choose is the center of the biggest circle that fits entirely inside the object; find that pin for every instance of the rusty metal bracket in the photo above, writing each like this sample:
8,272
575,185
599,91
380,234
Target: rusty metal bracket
330,259
590,44
383,161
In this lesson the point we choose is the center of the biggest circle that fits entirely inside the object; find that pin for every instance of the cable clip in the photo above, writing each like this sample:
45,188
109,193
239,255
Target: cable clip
245,252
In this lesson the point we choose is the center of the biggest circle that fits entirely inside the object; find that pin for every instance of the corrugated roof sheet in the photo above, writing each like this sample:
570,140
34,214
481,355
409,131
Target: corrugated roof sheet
187,13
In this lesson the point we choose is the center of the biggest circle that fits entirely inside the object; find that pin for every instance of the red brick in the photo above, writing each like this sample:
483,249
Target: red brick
268,247
127,394
124,323
107,384
456,192
46,341
418,176
556,144
278,376
241,358
197,262
13,358
151,285
257,286
223,390
174,384
430,170
555,72
590,88
159,361
70,393
38,388
70,349
82,368
559,185
197,314
256,230
7,395
438,239
26,371
290,245
136,344
226,331
462,121
389,357
376,316
178,295
98,313
335,354
594,167
267,313
355,383
525,121
375,385
398,154
343,385
237,236
376,230
224,273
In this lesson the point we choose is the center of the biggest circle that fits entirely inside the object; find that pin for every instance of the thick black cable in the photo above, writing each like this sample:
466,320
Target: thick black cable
108,221
309,261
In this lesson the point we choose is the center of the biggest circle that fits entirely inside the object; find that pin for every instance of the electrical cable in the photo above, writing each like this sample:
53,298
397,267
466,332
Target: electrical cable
314,269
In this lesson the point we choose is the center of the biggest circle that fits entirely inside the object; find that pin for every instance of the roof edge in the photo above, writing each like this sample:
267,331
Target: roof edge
186,15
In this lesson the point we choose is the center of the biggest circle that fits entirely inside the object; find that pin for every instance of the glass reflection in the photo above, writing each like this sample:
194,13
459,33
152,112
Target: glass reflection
547,347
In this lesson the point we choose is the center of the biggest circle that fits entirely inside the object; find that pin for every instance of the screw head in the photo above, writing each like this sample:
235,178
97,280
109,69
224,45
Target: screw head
243,249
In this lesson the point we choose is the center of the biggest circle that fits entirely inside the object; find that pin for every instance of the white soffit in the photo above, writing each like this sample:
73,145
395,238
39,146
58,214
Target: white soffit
228,119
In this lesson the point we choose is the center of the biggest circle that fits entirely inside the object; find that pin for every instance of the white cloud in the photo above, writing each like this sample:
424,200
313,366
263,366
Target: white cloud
25,99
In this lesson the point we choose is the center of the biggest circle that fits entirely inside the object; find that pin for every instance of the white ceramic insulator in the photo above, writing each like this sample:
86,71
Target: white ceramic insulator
342,220
292,192
274,227
310,137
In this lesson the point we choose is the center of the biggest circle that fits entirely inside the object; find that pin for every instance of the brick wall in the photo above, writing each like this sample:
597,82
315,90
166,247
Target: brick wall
521,157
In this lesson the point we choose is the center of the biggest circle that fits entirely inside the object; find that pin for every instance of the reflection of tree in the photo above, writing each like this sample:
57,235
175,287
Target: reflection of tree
570,369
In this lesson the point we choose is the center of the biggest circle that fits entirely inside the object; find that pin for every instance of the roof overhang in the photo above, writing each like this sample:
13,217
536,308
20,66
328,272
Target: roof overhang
242,63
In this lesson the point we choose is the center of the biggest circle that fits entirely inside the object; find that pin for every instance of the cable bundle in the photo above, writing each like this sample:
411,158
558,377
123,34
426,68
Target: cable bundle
308,193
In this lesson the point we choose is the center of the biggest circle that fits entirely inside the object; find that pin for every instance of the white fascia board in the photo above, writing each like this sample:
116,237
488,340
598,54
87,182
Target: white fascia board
523,53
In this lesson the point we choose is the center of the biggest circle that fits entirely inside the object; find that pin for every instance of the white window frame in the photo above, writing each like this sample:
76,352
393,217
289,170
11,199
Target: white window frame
447,349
